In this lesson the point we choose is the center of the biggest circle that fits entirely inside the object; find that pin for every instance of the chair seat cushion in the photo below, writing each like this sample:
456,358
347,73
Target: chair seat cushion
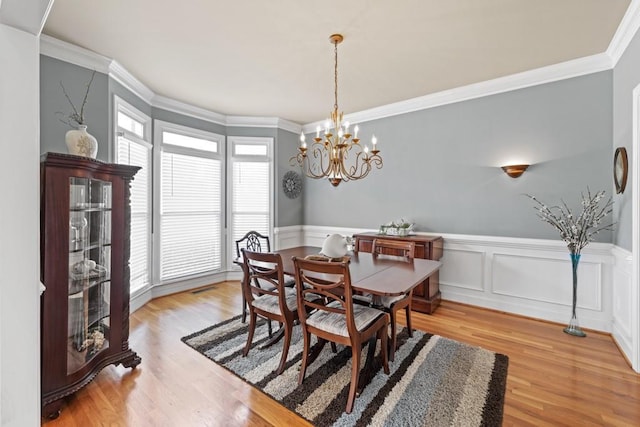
336,323
270,304
385,300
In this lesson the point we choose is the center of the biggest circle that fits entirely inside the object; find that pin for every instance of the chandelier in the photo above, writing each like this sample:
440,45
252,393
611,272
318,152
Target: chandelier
337,154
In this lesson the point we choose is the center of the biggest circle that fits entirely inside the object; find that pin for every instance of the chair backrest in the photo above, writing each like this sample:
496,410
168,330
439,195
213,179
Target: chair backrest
254,242
401,248
264,276
331,281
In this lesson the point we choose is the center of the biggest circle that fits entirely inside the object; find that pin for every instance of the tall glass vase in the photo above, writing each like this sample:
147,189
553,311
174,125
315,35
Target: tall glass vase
573,328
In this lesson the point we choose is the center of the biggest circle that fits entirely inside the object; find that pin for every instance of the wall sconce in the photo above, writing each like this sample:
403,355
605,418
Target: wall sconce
514,171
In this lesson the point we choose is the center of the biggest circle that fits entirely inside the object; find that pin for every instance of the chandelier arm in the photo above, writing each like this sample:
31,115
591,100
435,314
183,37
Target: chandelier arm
319,154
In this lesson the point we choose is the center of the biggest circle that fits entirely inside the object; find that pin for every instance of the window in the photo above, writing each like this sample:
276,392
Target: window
250,184
133,147
191,200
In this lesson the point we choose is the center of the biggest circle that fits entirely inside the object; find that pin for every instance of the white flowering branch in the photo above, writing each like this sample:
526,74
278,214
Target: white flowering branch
77,115
577,232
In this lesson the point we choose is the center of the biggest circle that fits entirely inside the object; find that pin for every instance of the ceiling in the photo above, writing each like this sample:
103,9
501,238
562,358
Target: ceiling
274,58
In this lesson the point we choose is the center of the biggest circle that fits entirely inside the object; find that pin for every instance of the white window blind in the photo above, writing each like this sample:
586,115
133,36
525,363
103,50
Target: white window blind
191,217
132,149
250,187
251,204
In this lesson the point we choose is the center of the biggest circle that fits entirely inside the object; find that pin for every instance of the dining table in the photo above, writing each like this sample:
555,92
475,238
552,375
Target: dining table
378,276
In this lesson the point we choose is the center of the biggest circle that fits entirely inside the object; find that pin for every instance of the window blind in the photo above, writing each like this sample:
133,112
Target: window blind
191,191
131,152
250,199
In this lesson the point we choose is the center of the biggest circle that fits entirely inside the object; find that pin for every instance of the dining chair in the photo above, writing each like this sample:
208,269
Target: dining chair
267,297
334,317
393,304
255,242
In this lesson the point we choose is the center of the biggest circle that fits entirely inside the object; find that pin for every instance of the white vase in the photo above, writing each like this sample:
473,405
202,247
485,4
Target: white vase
81,143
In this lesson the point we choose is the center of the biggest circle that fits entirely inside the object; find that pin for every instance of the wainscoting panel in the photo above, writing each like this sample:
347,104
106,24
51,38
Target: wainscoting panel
288,237
623,306
547,280
530,277
471,276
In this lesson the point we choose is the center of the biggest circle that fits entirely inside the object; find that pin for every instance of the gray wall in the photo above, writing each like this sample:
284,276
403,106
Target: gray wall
52,100
441,165
99,114
625,79
289,211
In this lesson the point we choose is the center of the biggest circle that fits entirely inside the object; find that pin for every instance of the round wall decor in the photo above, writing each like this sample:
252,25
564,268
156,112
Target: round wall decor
292,184
620,169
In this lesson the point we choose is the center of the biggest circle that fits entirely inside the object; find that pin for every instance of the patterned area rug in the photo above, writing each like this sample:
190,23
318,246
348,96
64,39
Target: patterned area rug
434,381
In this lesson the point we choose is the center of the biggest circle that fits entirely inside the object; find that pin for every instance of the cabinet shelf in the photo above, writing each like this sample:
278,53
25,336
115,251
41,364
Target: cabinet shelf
78,286
90,247
90,207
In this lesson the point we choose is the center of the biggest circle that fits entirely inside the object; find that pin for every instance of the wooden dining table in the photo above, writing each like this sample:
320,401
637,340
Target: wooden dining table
371,274
378,276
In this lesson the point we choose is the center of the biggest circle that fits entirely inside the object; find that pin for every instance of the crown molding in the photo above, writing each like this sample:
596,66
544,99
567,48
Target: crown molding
129,81
263,122
188,110
538,76
578,67
625,32
73,54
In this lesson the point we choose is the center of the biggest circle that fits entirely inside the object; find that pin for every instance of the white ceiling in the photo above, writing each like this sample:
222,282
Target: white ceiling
274,58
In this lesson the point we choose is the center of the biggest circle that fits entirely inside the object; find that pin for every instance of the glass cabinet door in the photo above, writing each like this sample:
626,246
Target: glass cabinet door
89,270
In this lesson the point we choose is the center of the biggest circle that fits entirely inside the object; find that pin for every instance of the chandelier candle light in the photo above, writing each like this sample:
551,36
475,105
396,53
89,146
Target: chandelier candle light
330,152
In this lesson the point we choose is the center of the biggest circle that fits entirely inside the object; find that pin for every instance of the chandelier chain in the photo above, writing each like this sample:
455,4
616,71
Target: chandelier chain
335,75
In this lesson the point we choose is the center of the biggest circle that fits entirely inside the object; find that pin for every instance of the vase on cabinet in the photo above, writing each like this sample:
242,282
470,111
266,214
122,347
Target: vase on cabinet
81,143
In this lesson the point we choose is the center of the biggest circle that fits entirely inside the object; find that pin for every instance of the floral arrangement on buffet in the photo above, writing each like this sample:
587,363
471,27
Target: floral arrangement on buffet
400,227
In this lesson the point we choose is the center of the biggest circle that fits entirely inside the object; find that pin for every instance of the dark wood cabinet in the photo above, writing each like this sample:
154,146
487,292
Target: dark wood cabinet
85,226
426,297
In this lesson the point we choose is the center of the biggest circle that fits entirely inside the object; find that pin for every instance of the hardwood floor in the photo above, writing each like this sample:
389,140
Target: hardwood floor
554,379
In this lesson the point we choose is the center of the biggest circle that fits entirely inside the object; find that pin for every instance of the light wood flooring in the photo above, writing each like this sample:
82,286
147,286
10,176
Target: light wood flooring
554,379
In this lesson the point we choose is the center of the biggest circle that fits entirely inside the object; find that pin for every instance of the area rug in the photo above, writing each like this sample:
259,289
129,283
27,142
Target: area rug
434,381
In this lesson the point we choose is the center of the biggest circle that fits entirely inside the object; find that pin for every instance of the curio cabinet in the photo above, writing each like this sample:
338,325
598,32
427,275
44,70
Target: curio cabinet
85,226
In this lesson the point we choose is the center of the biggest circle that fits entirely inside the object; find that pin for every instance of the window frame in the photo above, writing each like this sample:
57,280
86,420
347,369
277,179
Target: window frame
269,158
120,105
160,126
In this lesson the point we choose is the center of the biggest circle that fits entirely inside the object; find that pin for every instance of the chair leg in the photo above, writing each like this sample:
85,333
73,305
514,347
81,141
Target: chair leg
252,328
285,347
384,348
269,327
355,370
409,327
305,355
244,308
392,352
334,348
